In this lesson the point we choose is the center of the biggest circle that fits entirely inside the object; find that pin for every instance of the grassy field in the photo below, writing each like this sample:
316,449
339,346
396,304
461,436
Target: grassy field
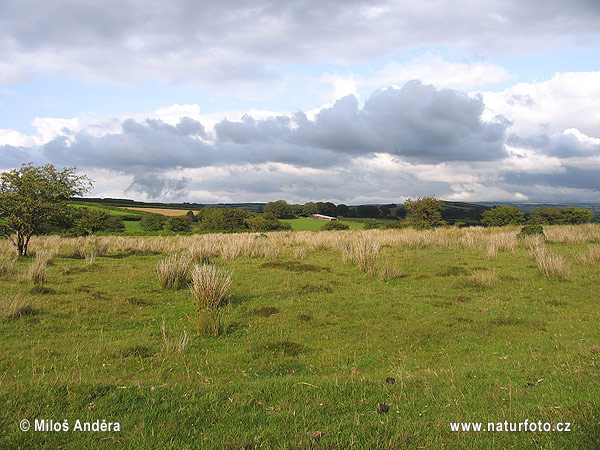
306,224
462,320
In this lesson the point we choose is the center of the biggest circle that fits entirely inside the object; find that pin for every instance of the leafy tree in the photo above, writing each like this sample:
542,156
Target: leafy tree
178,224
296,210
115,224
224,219
310,208
385,211
266,222
334,225
573,216
94,219
545,215
279,209
33,200
502,215
424,212
153,222
370,211
342,210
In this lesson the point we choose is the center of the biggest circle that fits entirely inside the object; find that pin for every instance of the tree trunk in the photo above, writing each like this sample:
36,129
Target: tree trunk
20,243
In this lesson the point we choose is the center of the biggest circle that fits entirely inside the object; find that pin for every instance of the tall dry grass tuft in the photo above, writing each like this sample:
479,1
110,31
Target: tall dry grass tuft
38,269
173,271
364,253
15,306
492,251
387,273
550,264
8,264
209,287
591,257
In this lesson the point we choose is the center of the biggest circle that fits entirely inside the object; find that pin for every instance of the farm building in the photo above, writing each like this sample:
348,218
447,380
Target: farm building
322,217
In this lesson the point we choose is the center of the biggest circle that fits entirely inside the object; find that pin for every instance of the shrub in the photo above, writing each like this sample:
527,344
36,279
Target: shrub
502,215
370,224
266,222
225,218
209,287
178,224
334,225
115,224
153,222
173,271
394,224
532,230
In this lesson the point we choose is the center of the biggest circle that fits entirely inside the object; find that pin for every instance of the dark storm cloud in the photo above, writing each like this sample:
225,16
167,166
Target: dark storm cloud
570,177
417,122
232,40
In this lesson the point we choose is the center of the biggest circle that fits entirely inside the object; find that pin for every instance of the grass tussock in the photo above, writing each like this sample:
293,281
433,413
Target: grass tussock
387,273
549,264
15,306
209,287
591,257
174,270
38,268
8,264
364,253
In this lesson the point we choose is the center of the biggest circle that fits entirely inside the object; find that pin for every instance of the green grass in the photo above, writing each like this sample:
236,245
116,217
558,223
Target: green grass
317,362
306,224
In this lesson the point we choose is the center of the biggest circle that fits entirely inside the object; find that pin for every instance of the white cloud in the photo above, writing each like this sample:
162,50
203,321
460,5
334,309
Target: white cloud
567,100
433,69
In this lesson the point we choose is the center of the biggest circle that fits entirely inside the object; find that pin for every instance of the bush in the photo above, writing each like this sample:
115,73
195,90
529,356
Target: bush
209,287
394,224
503,215
227,219
334,225
178,224
424,213
370,224
531,230
115,224
153,222
266,222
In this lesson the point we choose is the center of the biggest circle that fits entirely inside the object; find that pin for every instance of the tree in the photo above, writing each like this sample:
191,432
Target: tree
94,220
178,224
279,209
33,200
370,211
503,215
342,210
153,222
296,210
266,222
424,212
573,216
309,209
224,218
545,215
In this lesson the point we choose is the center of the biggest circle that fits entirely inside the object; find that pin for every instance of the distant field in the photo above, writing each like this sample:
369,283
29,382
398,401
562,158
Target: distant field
306,224
164,212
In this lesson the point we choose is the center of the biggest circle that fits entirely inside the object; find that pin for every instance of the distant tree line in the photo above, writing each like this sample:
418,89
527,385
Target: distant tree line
283,210
544,215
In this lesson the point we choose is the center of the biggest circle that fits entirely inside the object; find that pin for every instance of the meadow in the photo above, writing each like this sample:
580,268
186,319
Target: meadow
359,339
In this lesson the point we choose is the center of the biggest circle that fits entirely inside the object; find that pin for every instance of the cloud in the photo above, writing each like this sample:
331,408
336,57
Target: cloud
235,42
413,141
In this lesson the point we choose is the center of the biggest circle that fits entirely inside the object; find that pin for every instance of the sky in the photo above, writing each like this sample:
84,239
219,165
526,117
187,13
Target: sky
349,101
